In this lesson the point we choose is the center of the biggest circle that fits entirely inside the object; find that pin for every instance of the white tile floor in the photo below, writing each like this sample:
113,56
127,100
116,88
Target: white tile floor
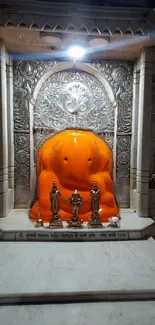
109,313
48,267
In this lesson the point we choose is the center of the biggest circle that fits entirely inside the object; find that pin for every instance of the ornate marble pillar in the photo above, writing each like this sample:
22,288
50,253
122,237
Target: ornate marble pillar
9,74
144,127
10,125
135,109
3,134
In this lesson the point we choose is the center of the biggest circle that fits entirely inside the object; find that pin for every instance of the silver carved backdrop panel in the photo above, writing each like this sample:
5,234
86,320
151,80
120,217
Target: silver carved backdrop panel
73,99
69,99
119,76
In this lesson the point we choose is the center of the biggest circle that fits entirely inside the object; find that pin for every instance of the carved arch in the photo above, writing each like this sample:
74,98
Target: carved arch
78,66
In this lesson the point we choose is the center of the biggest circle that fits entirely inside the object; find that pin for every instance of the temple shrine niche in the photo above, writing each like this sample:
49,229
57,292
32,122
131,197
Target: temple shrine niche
55,96
93,78
74,159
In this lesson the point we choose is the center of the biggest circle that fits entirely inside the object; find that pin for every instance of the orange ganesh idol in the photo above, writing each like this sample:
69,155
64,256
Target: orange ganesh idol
74,159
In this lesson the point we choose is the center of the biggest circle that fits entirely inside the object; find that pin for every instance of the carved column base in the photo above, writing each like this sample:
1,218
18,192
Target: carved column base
55,222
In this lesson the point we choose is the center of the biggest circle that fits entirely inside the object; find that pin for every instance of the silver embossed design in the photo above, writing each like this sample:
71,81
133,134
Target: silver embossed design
76,98
119,76
123,170
108,137
40,136
73,99
22,159
21,156
26,76
123,156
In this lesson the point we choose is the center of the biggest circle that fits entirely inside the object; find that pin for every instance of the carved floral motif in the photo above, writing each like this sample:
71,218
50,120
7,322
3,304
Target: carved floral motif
123,156
119,76
108,137
73,99
39,138
22,158
26,76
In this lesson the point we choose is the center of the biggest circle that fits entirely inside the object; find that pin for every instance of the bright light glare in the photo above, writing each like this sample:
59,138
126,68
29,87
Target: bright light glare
76,52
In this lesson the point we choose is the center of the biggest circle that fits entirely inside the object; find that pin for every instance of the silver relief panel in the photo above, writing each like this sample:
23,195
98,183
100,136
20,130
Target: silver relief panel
22,158
40,136
123,169
72,99
119,76
26,76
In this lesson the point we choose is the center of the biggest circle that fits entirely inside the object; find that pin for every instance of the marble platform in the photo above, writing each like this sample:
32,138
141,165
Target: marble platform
49,272
17,227
110,313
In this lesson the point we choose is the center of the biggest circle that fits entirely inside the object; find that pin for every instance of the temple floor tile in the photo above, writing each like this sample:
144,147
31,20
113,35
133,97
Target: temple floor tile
55,271
111,313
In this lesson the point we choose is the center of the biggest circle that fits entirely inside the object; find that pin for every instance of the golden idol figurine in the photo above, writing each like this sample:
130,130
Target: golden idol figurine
39,221
76,201
95,220
55,221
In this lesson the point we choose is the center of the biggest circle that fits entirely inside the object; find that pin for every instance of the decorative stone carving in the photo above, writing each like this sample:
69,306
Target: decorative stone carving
76,98
21,156
99,20
119,76
108,137
123,170
22,159
123,156
26,76
40,136
73,99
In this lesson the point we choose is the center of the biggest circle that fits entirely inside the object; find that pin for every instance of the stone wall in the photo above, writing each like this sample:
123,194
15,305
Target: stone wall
51,96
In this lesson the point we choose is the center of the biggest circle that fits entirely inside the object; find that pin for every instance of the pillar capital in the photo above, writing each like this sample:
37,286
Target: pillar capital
147,55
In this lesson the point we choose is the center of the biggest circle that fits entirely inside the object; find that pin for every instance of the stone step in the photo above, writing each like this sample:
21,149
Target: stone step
17,227
110,313
58,272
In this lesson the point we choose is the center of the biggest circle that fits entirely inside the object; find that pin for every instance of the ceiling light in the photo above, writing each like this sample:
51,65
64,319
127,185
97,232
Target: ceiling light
97,42
76,52
51,39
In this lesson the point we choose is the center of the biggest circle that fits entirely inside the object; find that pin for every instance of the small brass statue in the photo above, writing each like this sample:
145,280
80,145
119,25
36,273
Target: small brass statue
39,221
95,220
55,221
76,201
